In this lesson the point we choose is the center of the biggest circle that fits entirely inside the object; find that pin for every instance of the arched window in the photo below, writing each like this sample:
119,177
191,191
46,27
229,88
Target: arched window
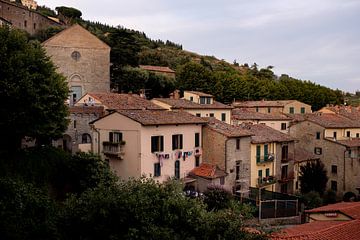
86,138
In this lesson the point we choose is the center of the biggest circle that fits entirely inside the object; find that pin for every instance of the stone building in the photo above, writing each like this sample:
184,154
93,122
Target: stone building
82,58
24,18
78,134
335,140
279,106
166,71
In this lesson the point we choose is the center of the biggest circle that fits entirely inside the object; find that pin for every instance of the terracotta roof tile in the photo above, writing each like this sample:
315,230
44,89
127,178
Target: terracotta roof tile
207,170
252,104
120,101
201,94
302,155
148,117
265,134
157,68
245,114
321,230
186,104
87,109
352,209
355,142
326,120
227,129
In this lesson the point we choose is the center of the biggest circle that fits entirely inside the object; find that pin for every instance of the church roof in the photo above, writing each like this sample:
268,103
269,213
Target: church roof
75,37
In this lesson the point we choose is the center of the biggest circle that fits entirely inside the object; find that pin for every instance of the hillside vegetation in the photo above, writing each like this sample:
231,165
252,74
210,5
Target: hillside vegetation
224,80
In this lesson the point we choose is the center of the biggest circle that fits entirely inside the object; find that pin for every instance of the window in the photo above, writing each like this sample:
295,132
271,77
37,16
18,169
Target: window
74,123
283,126
222,180
237,170
238,144
258,151
284,172
334,169
297,185
197,139
157,170
223,117
348,134
177,169
197,161
208,100
284,152
202,100
75,55
25,23
302,110
157,144
34,25
198,114
291,110
115,137
335,135
266,153
177,141
192,99
269,110
267,172
318,151
357,135
317,135
260,173
211,114
334,186
86,138
257,109
284,188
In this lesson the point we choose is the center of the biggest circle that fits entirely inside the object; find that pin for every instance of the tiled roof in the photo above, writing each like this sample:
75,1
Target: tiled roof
355,142
326,120
227,129
148,117
120,101
186,104
265,134
201,94
351,209
207,170
302,155
321,230
87,109
252,104
244,114
157,68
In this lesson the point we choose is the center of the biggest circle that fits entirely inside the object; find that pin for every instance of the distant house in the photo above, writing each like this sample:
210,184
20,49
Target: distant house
336,141
330,222
197,103
207,175
158,144
82,58
277,121
279,106
166,71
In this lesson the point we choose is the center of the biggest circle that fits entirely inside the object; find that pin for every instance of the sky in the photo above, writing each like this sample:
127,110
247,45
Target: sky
316,40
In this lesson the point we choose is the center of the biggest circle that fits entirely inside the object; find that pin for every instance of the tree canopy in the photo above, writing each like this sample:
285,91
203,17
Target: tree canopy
32,94
313,177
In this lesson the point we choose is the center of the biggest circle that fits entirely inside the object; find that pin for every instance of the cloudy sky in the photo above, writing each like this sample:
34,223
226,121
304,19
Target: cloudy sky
317,40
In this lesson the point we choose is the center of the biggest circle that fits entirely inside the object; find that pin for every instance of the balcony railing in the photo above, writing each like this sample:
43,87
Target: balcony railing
115,149
265,158
265,181
287,177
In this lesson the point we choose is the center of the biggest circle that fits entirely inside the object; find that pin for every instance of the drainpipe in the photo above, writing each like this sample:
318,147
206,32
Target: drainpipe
344,170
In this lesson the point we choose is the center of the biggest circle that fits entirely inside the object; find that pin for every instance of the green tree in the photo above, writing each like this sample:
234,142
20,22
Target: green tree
313,177
32,94
69,12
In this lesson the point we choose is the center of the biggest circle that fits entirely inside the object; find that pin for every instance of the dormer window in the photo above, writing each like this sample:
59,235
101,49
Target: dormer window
205,100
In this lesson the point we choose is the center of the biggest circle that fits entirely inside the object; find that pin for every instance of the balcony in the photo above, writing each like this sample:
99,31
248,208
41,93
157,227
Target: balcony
287,177
265,159
114,149
265,181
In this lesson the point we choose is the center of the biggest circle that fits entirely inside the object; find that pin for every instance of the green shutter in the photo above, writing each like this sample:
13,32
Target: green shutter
258,151
267,172
266,153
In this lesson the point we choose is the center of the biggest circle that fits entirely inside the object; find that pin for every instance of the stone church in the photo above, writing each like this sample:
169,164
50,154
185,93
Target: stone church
82,58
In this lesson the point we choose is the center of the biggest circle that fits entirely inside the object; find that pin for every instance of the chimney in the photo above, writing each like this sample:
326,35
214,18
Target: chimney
176,94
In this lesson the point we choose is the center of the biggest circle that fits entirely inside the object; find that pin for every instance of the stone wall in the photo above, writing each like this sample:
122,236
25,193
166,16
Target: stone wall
23,18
